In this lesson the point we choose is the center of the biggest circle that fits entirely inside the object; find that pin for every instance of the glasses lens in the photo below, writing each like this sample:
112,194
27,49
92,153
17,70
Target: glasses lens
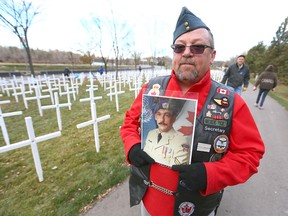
197,49
178,48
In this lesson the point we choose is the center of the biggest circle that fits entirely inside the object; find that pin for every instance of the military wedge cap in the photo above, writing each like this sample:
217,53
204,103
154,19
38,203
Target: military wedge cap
187,21
173,105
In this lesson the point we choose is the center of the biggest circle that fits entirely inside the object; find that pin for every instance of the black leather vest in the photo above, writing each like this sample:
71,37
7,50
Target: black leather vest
211,141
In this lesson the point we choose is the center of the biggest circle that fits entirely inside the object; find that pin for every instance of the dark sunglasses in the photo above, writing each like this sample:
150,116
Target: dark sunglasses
195,48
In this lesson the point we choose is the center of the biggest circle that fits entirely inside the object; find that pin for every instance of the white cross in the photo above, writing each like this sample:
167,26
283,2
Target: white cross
91,96
2,83
15,88
68,95
69,90
110,89
57,106
94,122
23,93
137,86
32,141
116,95
17,81
105,81
38,97
50,90
3,125
9,86
95,87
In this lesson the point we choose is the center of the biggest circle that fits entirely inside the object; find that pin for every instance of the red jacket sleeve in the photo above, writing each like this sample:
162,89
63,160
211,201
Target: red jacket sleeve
130,131
246,148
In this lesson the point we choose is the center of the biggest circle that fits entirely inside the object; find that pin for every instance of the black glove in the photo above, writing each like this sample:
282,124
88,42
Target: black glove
192,176
138,157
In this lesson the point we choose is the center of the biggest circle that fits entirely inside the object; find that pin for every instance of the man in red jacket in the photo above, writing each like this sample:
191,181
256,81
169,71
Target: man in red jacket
227,146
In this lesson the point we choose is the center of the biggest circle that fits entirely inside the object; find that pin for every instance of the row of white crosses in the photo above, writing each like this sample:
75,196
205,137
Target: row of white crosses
110,78
94,121
217,75
38,97
114,84
37,86
33,140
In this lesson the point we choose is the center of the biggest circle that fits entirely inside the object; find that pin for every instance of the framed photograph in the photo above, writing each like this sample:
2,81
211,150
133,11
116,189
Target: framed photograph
167,128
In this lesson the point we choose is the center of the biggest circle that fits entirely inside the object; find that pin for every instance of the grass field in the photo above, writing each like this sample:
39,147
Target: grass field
74,174
281,95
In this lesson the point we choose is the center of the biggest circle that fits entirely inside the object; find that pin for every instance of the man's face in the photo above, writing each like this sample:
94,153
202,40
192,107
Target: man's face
164,120
240,60
190,68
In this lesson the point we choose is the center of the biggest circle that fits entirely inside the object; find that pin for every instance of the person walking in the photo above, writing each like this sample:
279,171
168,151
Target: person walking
223,154
238,75
266,81
67,73
101,70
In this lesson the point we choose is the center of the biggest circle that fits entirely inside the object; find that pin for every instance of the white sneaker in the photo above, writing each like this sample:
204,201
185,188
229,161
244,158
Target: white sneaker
261,108
256,105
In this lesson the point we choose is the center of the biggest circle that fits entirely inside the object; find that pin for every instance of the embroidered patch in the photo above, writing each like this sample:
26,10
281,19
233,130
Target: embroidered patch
209,114
203,147
221,144
223,102
154,90
186,208
222,91
226,116
212,106
215,122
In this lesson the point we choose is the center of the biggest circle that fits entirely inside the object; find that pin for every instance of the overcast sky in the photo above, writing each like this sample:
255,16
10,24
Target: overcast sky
237,25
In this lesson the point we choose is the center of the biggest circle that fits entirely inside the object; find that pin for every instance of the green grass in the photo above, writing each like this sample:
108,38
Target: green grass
75,175
281,95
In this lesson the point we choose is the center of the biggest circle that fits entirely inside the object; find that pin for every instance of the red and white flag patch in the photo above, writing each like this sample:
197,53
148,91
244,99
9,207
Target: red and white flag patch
222,91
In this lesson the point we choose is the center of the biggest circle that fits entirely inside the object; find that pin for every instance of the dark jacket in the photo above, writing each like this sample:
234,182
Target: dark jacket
267,79
237,76
67,71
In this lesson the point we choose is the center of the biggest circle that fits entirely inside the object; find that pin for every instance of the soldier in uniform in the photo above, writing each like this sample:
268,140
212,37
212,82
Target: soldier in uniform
164,144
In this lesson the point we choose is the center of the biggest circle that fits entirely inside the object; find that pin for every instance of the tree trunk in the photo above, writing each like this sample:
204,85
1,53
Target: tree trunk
29,58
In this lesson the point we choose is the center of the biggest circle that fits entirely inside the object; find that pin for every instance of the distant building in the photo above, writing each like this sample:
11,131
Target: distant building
97,64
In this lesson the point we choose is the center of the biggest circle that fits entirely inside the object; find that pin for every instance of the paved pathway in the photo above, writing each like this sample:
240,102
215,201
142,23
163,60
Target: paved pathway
264,194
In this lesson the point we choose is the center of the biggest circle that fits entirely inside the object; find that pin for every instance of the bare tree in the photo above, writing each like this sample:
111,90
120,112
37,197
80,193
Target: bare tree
120,33
136,56
95,30
99,27
17,16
